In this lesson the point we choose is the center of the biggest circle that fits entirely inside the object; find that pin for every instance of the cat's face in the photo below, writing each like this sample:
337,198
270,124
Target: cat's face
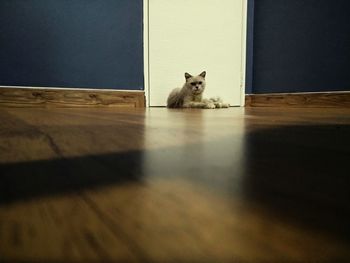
196,84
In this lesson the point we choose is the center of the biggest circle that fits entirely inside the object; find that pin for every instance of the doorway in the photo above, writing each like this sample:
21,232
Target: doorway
192,36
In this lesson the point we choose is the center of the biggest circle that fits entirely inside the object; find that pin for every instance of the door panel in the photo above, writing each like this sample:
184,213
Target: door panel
192,36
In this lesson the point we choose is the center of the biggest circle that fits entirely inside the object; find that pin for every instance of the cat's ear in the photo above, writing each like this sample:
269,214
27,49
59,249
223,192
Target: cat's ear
203,74
187,76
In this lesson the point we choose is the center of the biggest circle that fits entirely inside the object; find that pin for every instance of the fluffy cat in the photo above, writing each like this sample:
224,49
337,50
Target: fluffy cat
191,95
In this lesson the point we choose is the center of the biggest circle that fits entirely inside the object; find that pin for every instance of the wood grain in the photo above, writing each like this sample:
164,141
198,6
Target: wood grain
129,185
298,100
64,98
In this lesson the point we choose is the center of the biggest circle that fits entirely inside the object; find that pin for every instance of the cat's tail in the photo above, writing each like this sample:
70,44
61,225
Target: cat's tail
174,99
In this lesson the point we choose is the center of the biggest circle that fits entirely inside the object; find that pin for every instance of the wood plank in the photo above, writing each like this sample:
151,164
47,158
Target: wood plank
69,98
60,229
312,100
182,219
128,185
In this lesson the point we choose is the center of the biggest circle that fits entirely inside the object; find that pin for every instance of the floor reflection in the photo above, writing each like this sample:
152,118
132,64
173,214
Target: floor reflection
201,149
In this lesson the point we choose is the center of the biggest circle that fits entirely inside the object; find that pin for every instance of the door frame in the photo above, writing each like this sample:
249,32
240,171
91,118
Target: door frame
146,61
146,57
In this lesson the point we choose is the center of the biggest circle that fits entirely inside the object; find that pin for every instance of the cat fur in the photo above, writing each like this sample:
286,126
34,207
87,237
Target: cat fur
191,95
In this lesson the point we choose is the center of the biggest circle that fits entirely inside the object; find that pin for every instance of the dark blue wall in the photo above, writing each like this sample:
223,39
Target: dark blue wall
71,43
299,46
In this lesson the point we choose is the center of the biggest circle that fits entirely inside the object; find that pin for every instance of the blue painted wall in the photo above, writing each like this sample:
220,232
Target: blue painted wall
72,43
299,46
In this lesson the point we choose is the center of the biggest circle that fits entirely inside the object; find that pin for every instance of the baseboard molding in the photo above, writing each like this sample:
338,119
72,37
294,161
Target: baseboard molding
300,100
69,98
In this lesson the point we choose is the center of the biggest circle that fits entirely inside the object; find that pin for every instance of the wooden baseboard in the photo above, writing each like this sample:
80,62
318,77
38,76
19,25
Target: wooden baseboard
300,100
69,98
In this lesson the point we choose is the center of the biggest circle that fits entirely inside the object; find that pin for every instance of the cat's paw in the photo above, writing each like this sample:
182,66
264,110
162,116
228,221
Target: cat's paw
209,106
220,105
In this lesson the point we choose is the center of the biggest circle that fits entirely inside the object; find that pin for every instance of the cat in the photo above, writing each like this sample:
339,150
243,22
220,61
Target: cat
191,95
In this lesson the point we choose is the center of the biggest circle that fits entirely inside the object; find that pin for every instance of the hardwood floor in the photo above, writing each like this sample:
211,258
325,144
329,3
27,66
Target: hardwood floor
159,185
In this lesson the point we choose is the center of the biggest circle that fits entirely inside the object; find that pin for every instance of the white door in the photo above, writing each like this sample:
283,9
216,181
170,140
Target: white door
193,36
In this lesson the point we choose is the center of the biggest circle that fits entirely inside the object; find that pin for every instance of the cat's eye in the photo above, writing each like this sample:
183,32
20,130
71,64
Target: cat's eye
193,83
200,82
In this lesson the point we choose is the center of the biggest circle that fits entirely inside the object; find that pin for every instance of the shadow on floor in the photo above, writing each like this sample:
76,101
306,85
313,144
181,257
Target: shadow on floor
23,181
301,173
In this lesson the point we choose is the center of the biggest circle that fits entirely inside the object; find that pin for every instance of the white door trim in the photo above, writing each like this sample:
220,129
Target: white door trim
243,50
146,43
146,50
